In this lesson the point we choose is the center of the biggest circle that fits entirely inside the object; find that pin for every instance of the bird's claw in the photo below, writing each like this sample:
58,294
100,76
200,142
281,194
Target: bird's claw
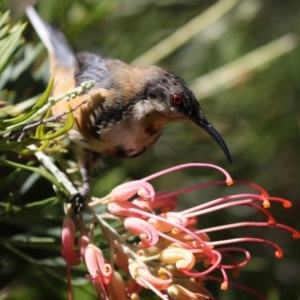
78,200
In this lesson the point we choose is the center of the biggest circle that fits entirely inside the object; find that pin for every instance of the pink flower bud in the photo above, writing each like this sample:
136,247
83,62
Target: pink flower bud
67,242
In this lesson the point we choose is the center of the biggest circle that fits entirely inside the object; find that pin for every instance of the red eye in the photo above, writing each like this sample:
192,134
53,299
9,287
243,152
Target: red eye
177,99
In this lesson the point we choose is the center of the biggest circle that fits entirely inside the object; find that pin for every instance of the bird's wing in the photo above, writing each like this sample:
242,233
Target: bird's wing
91,66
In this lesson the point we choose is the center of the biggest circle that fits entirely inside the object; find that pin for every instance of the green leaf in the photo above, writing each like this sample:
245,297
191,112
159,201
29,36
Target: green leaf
44,145
42,172
10,178
20,147
3,31
45,95
69,124
39,133
13,123
41,204
4,19
9,44
31,207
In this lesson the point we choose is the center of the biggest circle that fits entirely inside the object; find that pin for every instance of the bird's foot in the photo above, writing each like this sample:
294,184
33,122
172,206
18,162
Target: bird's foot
78,200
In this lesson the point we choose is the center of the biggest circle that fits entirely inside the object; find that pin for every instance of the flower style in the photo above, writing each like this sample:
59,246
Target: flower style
159,248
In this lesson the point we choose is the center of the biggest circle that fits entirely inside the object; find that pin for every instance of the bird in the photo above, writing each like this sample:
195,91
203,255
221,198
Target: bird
124,113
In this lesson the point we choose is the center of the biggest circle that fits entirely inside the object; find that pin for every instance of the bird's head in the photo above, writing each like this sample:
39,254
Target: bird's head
170,96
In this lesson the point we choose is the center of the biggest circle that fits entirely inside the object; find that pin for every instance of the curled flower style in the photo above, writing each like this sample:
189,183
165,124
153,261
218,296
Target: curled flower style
100,272
147,233
142,275
98,269
161,201
166,221
182,258
124,209
126,190
155,245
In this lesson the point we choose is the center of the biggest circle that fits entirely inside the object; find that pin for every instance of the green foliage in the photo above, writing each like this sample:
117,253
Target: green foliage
14,123
26,128
10,40
14,128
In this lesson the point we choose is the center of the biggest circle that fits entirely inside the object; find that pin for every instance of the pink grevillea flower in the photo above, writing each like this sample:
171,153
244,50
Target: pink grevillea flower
162,249
100,272
67,249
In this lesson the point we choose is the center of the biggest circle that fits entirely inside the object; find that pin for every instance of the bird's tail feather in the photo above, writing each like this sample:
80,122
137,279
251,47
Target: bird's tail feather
60,53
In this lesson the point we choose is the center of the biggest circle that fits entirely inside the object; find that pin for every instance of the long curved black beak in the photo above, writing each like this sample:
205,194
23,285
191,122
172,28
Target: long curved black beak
203,123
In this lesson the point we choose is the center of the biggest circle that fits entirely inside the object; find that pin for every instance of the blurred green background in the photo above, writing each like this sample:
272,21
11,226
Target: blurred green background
249,92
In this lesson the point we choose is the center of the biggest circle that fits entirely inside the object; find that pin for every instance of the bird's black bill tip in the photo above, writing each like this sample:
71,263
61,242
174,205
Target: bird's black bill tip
217,137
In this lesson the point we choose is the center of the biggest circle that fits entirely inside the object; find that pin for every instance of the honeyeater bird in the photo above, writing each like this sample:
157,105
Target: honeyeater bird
127,107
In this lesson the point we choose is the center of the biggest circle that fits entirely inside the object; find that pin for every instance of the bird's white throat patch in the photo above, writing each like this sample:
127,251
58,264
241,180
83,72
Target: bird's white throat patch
144,107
